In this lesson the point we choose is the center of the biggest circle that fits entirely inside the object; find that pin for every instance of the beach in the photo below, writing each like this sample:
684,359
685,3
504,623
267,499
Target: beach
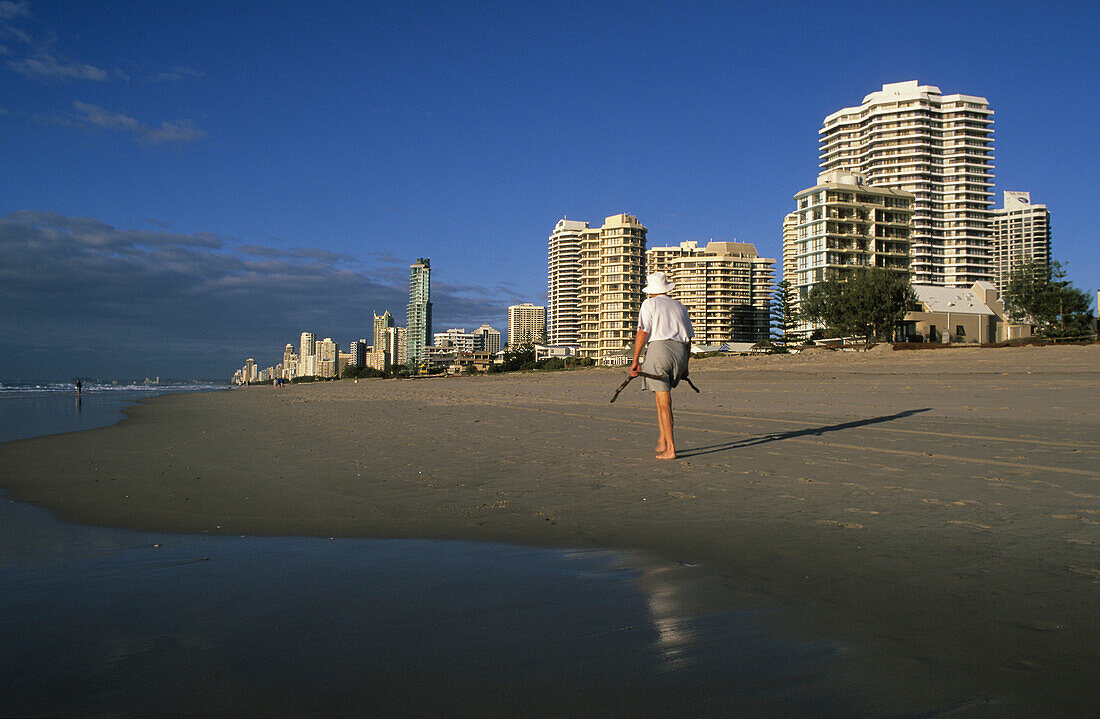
934,513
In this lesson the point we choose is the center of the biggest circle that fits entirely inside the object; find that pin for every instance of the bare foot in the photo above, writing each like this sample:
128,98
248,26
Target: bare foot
660,449
667,454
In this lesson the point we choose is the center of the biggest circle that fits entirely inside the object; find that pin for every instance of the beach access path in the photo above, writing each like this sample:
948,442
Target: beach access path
934,512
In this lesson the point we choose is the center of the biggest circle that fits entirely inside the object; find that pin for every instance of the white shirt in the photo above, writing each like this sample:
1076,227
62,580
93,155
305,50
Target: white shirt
663,318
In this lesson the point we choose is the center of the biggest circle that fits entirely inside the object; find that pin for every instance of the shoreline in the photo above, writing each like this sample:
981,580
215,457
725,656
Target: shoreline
936,513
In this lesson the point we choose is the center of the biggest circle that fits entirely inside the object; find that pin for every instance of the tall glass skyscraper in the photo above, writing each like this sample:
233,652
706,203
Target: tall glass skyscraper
419,316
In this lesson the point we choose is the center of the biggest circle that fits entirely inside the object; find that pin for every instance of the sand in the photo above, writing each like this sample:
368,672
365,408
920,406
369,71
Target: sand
935,513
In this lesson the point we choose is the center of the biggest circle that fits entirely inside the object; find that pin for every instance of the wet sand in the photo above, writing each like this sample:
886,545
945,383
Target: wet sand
934,512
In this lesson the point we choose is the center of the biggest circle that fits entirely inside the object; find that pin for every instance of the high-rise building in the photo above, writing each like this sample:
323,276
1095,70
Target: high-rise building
612,261
327,355
726,287
526,323
307,349
486,339
1021,232
382,322
842,223
790,234
357,353
563,282
419,314
397,340
938,147
290,362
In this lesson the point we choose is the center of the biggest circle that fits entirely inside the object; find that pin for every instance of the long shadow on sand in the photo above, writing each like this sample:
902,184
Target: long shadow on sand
809,431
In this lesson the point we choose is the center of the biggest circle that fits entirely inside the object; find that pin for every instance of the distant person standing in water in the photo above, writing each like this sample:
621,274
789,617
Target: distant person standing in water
78,386
663,324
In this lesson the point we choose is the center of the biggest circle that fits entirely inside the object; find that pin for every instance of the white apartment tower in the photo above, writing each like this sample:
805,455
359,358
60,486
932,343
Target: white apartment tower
1021,232
526,323
486,339
938,147
612,276
595,280
726,287
307,349
563,282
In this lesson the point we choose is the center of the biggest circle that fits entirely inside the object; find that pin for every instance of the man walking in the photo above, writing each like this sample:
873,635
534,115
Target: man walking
664,324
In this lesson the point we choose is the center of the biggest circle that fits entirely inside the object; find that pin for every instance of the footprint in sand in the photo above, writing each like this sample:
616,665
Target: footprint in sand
679,495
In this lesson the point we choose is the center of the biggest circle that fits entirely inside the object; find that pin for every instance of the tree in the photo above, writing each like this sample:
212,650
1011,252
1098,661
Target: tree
784,314
516,357
1040,295
869,302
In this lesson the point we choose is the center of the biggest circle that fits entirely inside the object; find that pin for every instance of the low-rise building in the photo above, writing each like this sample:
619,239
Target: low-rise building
957,315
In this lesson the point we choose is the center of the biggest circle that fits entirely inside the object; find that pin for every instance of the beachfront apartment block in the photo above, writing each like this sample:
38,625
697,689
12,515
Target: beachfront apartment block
526,324
290,362
726,287
419,311
594,286
307,348
938,147
1021,232
382,323
357,351
486,339
563,282
456,338
840,224
612,274
328,353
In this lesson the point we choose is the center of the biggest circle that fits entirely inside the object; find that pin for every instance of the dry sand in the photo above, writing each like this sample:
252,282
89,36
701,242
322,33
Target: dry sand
935,512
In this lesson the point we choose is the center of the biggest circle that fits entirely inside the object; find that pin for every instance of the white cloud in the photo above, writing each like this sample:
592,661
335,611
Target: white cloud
43,64
11,10
178,132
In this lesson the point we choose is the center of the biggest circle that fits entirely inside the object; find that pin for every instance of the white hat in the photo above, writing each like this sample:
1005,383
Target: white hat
658,284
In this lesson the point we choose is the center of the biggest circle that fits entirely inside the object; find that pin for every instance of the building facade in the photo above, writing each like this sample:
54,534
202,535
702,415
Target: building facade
612,270
328,353
397,340
939,148
486,339
563,282
419,311
290,363
382,323
726,287
357,352
526,323
307,349
840,224
1021,232
456,338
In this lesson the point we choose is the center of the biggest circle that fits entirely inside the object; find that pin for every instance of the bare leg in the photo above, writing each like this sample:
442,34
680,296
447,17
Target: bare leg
664,423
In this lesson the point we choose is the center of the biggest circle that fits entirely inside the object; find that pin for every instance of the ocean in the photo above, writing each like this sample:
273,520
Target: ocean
104,621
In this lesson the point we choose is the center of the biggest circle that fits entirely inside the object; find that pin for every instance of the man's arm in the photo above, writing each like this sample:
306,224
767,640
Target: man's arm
639,343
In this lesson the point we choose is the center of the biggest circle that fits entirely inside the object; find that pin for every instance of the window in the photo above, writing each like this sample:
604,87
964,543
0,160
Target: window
960,331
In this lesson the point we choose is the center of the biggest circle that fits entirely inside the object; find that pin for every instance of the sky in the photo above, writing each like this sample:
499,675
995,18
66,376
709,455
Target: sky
186,185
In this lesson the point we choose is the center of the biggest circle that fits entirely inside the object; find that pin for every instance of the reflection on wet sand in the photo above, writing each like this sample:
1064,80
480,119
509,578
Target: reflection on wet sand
113,621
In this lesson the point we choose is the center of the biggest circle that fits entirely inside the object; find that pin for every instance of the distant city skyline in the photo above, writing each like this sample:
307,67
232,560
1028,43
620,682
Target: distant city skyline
168,212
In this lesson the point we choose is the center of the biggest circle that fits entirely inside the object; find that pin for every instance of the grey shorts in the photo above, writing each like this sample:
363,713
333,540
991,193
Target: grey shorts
667,358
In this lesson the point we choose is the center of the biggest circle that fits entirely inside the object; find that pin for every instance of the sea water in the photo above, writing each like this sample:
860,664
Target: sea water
106,621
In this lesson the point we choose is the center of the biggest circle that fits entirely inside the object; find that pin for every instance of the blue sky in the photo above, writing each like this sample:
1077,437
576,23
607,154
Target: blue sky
188,185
